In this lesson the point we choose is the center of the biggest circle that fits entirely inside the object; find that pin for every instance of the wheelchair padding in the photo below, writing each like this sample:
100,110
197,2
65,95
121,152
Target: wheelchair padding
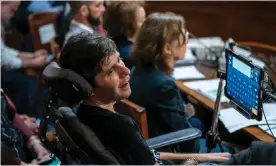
76,151
85,138
67,84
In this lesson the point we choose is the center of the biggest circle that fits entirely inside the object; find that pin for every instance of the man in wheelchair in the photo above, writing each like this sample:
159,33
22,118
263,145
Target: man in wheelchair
92,72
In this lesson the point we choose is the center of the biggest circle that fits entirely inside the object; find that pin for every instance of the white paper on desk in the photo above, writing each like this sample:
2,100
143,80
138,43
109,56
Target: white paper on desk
207,41
189,58
208,88
46,33
270,110
234,121
187,73
266,129
270,113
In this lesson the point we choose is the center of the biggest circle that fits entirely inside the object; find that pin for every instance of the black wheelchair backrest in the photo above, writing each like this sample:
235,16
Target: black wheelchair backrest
69,87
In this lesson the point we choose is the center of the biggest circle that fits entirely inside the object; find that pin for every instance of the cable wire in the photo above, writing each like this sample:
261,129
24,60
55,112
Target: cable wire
268,125
266,119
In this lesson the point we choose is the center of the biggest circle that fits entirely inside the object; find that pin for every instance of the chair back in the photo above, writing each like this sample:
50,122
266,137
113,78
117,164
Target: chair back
43,27
136,112
55,48
258,45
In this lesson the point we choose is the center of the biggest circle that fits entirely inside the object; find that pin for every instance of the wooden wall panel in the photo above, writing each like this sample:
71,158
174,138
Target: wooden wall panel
252,21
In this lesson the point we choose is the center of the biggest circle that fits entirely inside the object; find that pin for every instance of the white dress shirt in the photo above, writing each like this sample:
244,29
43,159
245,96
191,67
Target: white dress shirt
9,57
76,28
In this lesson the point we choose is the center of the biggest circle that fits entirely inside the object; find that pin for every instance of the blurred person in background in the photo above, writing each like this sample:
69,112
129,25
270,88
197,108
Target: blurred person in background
18,133
122,20
20,23
14,81
87,16
26,8
11,58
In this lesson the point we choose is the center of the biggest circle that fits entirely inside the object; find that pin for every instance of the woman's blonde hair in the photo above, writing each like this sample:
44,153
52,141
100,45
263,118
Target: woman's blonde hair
157,30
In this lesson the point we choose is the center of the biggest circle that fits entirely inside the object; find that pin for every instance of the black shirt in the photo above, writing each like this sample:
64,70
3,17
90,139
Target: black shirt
119,133
258,153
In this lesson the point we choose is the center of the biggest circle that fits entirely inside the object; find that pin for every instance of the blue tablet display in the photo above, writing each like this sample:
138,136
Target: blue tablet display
243,84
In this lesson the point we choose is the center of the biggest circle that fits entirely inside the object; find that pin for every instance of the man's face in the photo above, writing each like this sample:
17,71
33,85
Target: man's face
96,10
8,9
113,80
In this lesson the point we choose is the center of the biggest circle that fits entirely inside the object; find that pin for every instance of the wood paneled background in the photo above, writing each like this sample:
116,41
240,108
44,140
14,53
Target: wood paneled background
244,21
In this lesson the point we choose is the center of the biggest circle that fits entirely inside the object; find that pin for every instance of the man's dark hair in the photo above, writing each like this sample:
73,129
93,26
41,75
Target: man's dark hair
85,54
75,5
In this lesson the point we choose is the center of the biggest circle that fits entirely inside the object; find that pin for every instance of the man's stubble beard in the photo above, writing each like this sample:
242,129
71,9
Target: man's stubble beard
92,21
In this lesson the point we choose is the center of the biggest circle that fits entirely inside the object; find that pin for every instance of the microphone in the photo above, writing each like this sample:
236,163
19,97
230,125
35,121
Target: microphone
212,54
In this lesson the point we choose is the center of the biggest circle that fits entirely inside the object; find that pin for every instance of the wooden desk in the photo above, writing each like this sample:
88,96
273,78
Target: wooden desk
206,102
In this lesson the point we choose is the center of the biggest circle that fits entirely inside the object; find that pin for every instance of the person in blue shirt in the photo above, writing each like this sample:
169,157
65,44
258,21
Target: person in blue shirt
122,20
159,43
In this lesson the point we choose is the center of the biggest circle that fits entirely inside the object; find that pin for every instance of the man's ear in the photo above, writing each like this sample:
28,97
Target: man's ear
167,50
84,10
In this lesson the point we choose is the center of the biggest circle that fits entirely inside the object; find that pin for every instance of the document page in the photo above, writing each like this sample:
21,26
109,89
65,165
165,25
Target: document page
208,88
187,73
233,120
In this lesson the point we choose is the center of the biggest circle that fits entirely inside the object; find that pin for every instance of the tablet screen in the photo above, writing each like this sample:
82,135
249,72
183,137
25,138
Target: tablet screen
243,84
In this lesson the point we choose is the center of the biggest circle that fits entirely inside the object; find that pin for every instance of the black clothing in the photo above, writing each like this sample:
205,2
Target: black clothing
11,136
119,134
259,153
16,85
7,156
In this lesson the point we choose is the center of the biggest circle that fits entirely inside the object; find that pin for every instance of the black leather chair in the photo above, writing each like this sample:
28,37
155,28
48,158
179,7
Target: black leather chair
67,88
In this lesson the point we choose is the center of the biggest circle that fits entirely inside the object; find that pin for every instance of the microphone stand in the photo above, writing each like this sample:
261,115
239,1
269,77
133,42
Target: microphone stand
212,137
206,62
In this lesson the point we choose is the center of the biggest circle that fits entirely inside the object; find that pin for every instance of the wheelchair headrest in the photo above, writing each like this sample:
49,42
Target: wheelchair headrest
67,84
